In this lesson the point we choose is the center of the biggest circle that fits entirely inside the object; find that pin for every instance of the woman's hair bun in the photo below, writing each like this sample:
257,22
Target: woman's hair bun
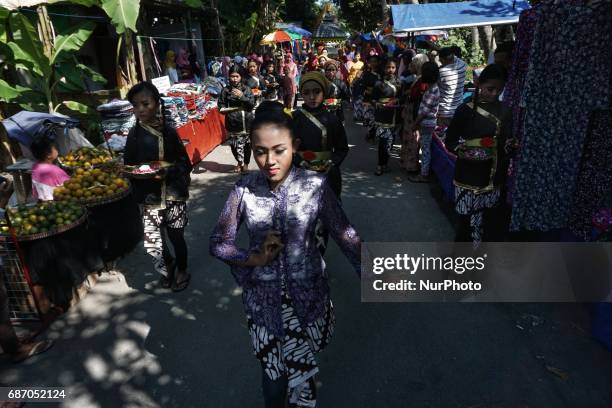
269,108
271,112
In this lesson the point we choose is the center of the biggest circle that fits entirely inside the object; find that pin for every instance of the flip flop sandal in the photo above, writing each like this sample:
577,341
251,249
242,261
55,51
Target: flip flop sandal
236,169
182,285
166,281
38,348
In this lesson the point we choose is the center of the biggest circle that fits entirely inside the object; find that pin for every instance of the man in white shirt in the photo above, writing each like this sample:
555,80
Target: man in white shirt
452,80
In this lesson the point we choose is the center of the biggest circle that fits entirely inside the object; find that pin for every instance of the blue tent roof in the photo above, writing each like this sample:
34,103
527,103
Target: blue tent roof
294,29
419,17
24,126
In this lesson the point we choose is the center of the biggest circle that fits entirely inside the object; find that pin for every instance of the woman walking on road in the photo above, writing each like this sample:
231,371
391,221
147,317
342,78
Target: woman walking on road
163,198
386,100
237,102
285,289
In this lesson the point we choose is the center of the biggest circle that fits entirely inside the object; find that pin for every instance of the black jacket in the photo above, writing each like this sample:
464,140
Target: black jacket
143,147
255,83
468,124
310,139
339,90
272,89
368,81
382,90
238,121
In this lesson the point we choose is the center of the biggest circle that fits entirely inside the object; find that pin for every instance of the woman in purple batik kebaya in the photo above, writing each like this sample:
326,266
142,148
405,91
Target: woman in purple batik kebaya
282,274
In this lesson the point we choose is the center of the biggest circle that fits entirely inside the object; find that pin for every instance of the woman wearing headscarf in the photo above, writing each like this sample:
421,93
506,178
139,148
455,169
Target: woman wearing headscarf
289,80
225,66
236,103
323,143
170,67
409,155
181,59
312,64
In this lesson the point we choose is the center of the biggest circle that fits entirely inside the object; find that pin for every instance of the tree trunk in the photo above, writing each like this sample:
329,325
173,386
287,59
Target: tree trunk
260,21
217,22
488,40
475,43
385,13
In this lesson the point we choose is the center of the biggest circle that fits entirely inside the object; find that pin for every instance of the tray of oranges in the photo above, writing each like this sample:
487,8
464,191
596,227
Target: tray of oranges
42,220
93,187
86,157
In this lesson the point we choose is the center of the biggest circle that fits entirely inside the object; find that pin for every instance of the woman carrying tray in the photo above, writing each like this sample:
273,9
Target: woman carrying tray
255,81
164,194
481,135
286,296
236,102
386,99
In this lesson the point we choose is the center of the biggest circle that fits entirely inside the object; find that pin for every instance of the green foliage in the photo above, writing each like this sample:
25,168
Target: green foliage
44,75
73,41
27,49
194,3
462,38
361,15
123,13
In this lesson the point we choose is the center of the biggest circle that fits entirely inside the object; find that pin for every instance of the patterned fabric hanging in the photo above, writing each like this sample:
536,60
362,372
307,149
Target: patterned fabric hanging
516,81
595,176
563,85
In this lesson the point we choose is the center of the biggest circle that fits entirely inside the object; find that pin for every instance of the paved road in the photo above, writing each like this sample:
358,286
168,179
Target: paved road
130,344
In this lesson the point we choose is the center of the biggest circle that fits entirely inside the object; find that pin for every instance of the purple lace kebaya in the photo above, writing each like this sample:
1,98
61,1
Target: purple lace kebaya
293,210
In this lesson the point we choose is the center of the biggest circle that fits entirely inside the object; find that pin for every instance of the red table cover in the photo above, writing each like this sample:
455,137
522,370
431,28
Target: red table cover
203,135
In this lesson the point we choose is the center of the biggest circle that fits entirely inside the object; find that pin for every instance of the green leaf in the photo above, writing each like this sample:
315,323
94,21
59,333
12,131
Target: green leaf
123,13
7,92
72,76
26,47
95,76
27,98
86,3
194,3
4,13
78,107
74,40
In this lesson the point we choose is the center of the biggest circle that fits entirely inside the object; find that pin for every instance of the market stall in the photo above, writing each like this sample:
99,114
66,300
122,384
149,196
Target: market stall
91,221
203,135
192,111
189,108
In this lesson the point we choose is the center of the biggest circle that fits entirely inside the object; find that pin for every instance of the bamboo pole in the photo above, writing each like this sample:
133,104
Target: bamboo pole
130,58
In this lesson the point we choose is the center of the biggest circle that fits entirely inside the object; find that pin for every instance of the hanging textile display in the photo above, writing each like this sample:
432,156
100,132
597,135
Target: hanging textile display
595,175
570,67
516,80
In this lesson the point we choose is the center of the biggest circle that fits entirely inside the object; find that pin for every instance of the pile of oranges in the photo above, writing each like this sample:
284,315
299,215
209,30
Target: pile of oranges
43,217
90,186
86,157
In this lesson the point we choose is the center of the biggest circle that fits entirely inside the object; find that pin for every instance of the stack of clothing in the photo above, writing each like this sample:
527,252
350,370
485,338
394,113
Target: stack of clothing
117,118
213,85
175,111
195,100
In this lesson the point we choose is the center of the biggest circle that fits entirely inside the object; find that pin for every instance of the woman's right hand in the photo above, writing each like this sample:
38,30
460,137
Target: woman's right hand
270,249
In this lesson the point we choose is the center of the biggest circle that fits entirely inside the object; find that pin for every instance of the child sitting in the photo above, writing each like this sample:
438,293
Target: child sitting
46,176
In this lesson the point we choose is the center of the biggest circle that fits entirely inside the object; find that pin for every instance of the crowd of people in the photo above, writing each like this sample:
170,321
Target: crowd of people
403,99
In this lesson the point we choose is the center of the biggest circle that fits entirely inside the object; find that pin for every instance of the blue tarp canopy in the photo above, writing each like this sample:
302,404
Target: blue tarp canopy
24,126
433,16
